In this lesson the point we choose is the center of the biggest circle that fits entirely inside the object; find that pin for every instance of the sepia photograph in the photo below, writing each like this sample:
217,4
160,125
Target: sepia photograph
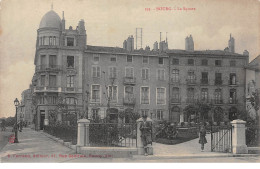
129,81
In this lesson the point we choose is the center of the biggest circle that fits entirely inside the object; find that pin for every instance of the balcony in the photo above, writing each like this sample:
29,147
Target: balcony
191,81
233,101
41,68
175,81
129,80
191,100
70,89
217,101
47,89
204,81
232,83
176,100
218,82
129,101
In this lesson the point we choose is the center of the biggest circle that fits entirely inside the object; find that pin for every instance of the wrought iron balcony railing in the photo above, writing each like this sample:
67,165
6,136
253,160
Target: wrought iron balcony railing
130,80
218,82
204,81
129,101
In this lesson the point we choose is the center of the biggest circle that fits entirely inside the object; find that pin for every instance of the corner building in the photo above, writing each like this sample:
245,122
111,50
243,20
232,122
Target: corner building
112,82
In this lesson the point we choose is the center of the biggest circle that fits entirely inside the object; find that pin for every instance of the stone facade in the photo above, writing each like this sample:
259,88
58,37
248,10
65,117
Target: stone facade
194,79
102,82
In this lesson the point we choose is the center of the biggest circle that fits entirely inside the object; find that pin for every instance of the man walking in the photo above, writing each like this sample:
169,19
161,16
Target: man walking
146,133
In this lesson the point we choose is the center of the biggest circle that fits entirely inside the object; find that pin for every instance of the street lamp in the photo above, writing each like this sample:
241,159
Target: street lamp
16,103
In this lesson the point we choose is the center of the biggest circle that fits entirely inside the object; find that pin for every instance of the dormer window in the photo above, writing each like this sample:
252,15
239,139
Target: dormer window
70,41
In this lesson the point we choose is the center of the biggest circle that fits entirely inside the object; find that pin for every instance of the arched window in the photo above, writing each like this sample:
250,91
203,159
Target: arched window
218,96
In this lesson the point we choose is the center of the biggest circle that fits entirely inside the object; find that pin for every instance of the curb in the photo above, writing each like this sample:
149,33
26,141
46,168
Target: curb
156,157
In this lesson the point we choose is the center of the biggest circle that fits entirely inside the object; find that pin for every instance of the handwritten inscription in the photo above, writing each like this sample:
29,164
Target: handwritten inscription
59,156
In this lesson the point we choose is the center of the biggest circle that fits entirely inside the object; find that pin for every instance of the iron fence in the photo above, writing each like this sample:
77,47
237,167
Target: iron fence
64,132
252,135
221,138
112,134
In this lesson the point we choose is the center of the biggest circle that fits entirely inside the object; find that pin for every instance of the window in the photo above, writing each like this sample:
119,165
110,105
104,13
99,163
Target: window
40,41
95,113
113,58
160,60
52,61
43,40
145,112
43,60
112,93
96,58
129,92
71,101
129,58
70,41
70,61
204,62
70,81
232,63
233,96
191,62
145,73
217,62
145,95
161,97
161,74
129,72
175,61
232,79
191,77
218,96
190,95
112,72
52,80
96,71
42,80
204,94
218,78
95,94
175,95
42,100
52,40
52,100
159,115
145,59
175,75
204,77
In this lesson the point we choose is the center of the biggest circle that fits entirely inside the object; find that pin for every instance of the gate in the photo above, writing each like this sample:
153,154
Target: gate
221,138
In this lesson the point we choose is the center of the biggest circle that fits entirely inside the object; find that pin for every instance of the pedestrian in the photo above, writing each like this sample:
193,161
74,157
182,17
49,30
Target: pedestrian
202,139
146,133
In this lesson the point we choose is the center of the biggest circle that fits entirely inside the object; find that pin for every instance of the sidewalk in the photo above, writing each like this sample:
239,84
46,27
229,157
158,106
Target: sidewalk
187,150
35,146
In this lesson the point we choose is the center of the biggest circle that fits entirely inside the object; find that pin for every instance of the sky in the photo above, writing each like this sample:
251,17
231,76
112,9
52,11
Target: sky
110,22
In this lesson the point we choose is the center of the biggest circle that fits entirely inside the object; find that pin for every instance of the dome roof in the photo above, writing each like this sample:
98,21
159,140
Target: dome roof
50,20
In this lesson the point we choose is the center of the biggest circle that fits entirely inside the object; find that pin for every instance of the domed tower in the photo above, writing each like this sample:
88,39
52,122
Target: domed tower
58,67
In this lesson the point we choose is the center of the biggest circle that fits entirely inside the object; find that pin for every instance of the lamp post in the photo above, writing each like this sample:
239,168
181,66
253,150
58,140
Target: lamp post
16,103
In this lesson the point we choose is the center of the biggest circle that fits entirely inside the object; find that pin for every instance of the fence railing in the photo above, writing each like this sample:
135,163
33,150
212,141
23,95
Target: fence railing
252,135
64,132
112,134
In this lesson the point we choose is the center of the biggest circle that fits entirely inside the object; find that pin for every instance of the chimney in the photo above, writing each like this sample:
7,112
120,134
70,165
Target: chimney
231,44
246,53
155,46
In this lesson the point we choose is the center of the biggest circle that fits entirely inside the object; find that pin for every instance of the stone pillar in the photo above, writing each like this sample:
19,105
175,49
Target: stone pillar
46,119
83,133
140,146
239,137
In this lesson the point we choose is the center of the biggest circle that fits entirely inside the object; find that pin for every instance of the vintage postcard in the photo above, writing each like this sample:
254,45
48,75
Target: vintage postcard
129,81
